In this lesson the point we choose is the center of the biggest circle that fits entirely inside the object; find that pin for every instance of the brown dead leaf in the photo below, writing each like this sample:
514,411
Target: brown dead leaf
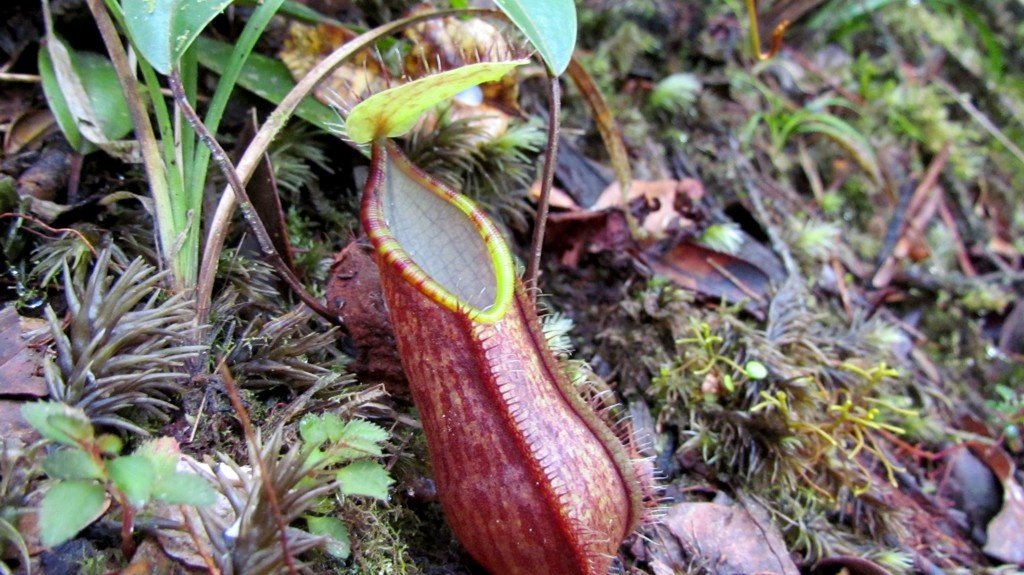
266,197
661,198
47,178
714,274
580,177
12,425
149,559
724,540
20,363
307,45
1006,530
847,565
1011,336
557,200
1005,541
571,234
28,131
973,488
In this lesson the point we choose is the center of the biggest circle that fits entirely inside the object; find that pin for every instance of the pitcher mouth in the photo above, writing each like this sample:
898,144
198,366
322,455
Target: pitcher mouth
438,240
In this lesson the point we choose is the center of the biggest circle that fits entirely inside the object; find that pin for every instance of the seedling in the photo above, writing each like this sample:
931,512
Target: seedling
88,469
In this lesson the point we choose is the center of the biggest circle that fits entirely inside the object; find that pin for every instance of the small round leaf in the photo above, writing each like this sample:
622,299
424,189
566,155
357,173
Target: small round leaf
67,508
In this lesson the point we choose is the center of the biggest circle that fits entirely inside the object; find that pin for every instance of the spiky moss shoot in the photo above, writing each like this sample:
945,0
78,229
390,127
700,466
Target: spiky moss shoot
493,169
796,412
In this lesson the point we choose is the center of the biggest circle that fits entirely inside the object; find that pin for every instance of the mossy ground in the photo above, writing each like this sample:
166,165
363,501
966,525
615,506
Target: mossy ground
832,399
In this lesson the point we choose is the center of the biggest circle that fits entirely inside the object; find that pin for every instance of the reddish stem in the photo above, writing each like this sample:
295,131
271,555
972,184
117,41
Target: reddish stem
268,489
127,526
547,180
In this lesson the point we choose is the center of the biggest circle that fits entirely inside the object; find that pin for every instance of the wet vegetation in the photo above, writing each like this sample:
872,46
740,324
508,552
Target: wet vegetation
796,266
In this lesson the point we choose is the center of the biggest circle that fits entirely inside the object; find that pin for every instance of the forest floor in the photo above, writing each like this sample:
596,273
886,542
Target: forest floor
809,301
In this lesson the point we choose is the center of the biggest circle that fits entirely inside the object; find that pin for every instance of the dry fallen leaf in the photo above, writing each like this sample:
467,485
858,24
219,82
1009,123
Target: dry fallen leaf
571,234
724,540
714,274
349,83
149,559
20,362
28,131
1006,530
660,197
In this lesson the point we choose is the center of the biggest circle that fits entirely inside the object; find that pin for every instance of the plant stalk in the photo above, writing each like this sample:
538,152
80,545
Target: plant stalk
151,159
220,157
250,436
547,180
127,526
272,127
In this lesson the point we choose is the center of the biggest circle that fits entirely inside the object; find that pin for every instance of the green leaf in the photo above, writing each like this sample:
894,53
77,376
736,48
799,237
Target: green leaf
109,444
67,508
9,533
367,478
59,422
104,92
395,111
163,453
315,430
55,100
755,370
71,464
184,489
550,25
267,78
360,438
134,476
163,29
84,94
338,544
847,137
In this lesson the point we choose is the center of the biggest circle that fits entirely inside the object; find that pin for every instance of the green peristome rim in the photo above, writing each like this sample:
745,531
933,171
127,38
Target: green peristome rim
412,267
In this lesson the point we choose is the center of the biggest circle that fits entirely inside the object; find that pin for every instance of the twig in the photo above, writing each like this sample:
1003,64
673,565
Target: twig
266,244
270,129
740,284
844,293
211,565
250,436
35,221
965,102
547,180
920,208
744,169
199,417
894,230
930,178
27,78
755,33
958,242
